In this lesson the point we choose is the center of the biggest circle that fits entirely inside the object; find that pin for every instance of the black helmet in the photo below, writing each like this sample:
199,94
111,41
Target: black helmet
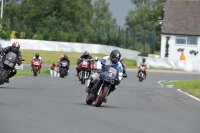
143,60
54,64
65,56
37,55
115,56
86,54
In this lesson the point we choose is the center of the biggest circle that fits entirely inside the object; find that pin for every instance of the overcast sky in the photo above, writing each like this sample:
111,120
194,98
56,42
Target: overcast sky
120,9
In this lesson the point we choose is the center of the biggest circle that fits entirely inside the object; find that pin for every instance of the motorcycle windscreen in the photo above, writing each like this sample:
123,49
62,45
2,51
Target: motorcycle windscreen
10,59
110,74
36,62
85,64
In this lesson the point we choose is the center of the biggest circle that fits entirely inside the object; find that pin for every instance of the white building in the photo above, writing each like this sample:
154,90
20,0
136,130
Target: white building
182,25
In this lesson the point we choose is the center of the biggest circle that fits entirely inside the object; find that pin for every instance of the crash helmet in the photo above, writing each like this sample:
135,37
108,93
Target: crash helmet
15,46
143,60
115,56
37,55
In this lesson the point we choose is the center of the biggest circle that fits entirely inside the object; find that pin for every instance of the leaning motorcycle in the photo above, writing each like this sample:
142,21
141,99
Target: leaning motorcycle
36,66
8,64
63,70
106,84
84,74
141,75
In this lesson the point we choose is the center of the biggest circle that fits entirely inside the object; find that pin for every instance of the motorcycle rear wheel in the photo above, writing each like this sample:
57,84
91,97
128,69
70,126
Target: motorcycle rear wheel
101,96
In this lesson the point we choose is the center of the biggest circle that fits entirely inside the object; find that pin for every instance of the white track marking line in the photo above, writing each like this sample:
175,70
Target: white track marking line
159,82
188,95
179,90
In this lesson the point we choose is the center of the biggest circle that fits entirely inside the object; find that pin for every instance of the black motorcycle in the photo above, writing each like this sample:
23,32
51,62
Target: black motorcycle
63,70
8,64
106,84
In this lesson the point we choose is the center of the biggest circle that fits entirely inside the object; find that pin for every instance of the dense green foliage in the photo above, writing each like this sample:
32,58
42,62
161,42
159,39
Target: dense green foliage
146,17
87,21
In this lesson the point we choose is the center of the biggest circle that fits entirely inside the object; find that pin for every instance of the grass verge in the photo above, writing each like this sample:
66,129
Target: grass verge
30,73
190,86
50,57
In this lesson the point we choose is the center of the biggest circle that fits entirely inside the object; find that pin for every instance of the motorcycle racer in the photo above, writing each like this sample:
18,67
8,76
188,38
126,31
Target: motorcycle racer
14,48
143,64
108,61
85,55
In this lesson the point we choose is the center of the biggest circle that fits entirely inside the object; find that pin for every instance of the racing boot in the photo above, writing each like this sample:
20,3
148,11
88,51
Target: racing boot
88,89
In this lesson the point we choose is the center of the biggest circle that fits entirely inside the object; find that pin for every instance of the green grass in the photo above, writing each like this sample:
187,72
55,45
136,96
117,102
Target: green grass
50,57
190,86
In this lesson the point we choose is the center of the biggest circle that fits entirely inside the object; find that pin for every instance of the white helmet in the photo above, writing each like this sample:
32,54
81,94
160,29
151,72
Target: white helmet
96,58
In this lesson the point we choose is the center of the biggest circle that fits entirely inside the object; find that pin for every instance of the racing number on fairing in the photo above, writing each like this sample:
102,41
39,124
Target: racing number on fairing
112,70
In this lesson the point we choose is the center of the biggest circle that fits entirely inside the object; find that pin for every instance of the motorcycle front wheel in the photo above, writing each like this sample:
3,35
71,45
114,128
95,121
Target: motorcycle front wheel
83,78
101,96
62,73
34,72
3,76
140,76
89,101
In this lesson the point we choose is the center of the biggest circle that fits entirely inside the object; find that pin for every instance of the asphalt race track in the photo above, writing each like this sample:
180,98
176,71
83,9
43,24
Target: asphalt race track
54,105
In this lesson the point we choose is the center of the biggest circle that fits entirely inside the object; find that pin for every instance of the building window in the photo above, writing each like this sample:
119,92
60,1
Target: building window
192,40
188,40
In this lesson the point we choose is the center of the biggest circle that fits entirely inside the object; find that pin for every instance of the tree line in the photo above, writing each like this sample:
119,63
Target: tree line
85,21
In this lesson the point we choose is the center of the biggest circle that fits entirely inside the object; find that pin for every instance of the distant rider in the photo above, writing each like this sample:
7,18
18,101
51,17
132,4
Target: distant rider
14,48
64,58
143,64
94,64
37,56
85,55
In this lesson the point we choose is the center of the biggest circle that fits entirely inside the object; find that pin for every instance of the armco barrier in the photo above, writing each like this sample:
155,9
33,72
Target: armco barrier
70,47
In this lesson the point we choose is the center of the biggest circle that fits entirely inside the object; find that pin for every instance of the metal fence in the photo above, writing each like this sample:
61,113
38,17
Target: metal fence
124,37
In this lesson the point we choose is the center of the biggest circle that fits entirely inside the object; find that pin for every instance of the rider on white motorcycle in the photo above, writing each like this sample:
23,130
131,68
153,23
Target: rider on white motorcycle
143,64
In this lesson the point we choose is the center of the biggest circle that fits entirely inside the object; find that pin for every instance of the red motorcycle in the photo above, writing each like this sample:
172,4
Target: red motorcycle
94,67
36,66
84,74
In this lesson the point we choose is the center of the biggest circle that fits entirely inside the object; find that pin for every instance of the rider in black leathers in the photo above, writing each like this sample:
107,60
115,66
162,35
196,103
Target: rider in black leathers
65,58
14,48
85,55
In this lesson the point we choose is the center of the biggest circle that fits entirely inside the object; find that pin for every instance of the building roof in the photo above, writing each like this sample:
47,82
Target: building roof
182,17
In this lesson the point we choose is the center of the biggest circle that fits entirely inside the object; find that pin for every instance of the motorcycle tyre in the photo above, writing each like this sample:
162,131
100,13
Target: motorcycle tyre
62,74
140,77
3,76
34,72
89,101
101,97
83,79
